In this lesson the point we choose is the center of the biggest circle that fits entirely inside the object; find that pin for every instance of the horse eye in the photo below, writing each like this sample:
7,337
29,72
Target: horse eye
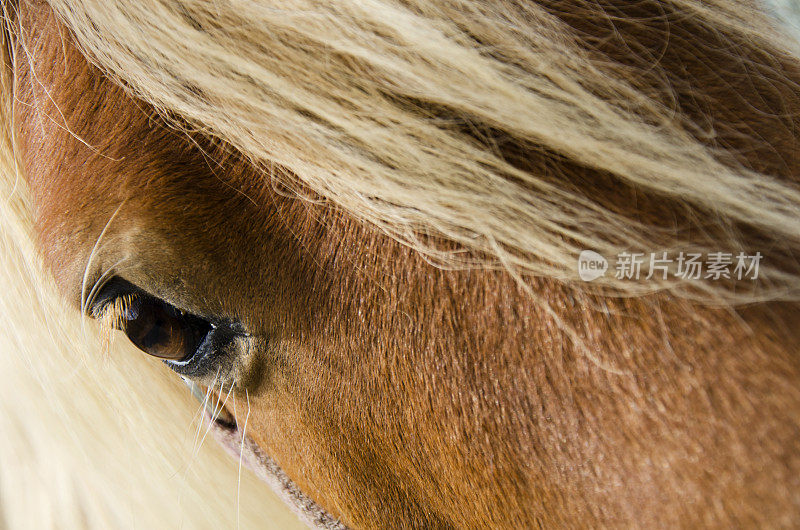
162,330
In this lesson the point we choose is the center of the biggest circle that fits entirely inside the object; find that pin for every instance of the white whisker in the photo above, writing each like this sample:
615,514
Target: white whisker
216,412
197,444
88,267
101,282
241,453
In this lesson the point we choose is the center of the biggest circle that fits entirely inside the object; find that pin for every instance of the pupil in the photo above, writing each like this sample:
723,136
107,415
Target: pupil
162,331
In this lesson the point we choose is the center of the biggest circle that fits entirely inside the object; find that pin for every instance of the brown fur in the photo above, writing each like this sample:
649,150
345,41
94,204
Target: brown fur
397,394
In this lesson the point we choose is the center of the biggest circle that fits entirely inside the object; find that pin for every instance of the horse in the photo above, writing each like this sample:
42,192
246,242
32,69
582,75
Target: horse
357,231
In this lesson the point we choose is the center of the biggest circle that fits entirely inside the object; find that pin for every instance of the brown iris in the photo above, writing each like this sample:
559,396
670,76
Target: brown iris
161,330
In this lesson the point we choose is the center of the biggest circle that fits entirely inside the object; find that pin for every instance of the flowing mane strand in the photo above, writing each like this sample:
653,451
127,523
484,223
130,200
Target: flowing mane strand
493,134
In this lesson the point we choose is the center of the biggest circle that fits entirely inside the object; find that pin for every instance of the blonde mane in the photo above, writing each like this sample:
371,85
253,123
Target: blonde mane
393,111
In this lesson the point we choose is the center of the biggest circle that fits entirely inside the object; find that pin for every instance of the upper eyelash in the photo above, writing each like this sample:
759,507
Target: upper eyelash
111,313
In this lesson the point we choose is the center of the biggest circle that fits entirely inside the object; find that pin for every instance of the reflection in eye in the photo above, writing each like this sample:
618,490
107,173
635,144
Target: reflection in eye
156,327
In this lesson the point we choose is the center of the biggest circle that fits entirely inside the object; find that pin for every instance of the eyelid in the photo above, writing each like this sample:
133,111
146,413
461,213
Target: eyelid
118,287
